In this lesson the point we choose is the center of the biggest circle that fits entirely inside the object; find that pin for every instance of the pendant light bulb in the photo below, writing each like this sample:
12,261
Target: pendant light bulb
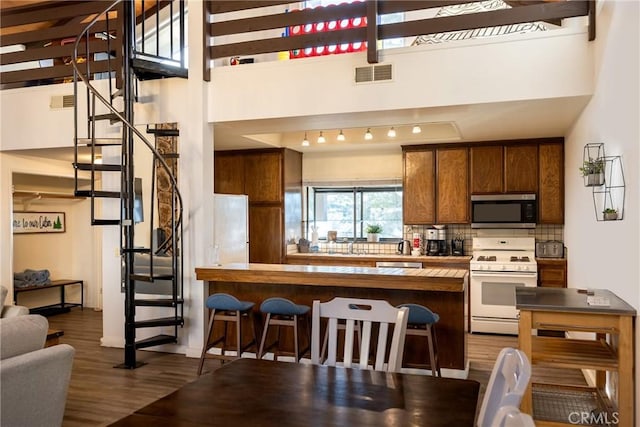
305,141
321,139
416,129
341,136
368,136
391,133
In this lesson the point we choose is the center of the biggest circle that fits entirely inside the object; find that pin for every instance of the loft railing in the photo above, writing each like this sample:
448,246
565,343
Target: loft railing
36,41
260,21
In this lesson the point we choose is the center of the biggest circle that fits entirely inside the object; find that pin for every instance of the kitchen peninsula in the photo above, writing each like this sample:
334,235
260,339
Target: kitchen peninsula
443,290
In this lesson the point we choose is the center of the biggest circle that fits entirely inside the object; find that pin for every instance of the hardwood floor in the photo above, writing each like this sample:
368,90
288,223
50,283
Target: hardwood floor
100,394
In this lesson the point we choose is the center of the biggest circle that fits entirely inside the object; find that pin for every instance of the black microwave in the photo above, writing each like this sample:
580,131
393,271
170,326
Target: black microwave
504,211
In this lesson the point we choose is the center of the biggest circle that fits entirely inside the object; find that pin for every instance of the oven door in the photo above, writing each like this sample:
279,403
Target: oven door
493,300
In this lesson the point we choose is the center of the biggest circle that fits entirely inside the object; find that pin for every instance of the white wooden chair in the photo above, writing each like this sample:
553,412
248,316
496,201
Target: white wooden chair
510,416
366,312
507,384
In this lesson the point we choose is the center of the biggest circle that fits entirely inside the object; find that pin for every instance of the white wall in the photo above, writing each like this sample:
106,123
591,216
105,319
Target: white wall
606,254
520,67
352,166
77,242
67,255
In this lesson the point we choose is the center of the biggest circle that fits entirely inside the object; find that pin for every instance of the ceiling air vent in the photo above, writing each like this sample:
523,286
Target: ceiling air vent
373,73
61,101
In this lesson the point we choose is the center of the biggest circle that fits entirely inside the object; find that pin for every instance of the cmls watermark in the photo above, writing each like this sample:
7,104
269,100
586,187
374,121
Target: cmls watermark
594,418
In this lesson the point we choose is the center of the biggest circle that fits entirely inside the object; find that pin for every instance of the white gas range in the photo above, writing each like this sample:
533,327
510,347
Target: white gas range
499,265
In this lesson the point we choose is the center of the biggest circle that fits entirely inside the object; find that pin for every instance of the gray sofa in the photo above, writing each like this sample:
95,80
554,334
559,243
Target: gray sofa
10,310
34,379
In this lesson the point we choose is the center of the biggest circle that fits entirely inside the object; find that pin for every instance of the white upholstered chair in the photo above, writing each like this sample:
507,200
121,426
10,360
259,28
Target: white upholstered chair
510,416
34,379
367,312
509,379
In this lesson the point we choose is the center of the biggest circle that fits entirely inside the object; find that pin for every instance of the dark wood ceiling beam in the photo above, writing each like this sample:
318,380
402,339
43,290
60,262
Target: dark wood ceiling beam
372,31
280,44
52,13
395,6
532,13
222,6
52,52
60,71
281,20
49,34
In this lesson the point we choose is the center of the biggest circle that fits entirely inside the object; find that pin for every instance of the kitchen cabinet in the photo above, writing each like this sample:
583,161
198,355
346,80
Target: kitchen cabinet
487,168
521,168
551,183
435,185
452,184
419,187
552,273
265,176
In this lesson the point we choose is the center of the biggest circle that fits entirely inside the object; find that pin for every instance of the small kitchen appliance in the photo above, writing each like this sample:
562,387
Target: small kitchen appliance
457,246
503,211
499,266
550,249
404,247
436,242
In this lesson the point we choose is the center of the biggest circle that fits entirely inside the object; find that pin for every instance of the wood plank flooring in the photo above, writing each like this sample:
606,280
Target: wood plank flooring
100,394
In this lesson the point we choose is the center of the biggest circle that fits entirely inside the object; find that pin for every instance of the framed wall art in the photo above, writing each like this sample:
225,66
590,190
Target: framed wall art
38,222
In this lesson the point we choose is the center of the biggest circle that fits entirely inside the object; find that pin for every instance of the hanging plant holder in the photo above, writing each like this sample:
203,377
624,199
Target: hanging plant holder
593,164
605,176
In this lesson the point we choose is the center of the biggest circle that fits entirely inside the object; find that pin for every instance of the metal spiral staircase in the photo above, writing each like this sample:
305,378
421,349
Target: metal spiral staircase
140,265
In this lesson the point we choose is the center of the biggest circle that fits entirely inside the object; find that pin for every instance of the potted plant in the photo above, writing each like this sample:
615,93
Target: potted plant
373,232
593,169
610,214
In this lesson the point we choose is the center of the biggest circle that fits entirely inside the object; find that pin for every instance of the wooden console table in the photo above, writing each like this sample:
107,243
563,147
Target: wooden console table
62,306
611,351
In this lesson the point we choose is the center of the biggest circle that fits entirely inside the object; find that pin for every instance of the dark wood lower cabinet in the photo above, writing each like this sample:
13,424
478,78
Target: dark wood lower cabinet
552,273
266,234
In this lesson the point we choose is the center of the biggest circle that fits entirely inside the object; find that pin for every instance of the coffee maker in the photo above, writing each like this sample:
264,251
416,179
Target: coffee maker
436,242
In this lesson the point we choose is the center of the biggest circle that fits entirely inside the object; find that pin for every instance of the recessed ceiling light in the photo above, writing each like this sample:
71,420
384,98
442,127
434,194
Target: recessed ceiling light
368,134
305,141
391,133
321,139
341,136
416,129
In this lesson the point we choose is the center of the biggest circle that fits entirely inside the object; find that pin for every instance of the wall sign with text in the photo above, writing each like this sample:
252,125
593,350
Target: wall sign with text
38,222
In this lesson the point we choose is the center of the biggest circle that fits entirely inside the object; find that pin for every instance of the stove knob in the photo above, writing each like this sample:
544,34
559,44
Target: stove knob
519,267
526,267
504,267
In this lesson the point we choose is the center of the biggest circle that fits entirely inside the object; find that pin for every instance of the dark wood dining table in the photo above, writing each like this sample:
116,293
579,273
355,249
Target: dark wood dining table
250,392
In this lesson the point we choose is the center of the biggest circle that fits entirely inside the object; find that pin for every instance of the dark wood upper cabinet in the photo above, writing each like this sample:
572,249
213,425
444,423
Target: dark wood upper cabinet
486,169
551,188
228,173
452,185
263,176
521,168
419,187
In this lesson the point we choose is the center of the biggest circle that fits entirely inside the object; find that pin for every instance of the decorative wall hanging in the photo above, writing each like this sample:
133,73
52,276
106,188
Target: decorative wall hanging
605,176
38,222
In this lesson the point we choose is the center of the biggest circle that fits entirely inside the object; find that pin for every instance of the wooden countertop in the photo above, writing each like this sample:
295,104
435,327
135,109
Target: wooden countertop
432,279
382,257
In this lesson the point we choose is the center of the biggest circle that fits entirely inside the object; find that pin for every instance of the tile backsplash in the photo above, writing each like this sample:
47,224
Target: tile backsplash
541,233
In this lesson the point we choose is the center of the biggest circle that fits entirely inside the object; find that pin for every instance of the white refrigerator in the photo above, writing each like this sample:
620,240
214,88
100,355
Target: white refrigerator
230,229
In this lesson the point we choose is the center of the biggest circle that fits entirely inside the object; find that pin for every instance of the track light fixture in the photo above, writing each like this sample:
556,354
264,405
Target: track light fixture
391,133
368,135
416,129
321,139
341,136
305,141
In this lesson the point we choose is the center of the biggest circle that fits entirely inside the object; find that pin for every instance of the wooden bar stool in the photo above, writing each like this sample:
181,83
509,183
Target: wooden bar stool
227,308
422,322
283,312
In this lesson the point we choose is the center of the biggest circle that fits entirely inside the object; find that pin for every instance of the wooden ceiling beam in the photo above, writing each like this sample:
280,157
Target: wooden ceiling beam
68,10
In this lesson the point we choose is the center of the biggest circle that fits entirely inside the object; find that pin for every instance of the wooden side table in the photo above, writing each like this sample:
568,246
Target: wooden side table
53,337
611,351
